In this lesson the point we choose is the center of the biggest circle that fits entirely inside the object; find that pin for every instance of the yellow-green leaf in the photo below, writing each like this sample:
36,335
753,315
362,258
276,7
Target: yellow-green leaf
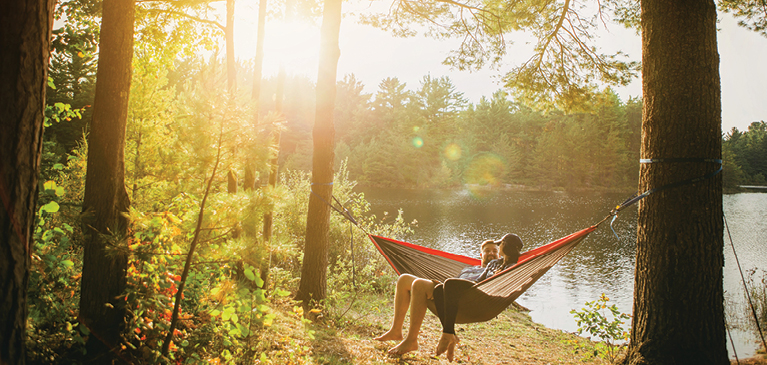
249,274
51,207
49,185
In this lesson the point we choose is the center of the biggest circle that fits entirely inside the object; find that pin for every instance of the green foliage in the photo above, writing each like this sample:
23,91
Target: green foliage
72,71
150,152
604,322
53,293
431,138
59,111
350,286
220,307
744,156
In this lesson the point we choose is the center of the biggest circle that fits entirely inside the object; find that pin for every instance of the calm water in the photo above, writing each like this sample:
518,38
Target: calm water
457,220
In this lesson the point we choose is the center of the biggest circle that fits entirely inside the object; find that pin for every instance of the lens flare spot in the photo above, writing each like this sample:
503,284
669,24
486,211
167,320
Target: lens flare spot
418,142
485,171
416,129
453,152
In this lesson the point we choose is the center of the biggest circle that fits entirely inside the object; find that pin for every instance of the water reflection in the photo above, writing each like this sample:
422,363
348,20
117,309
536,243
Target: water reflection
457,221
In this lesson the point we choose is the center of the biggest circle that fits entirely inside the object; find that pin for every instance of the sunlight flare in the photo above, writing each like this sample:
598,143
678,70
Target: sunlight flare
453,152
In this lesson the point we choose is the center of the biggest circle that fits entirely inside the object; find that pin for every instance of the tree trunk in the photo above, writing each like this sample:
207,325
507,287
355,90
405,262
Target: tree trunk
102,308
231,182
24,38
314,270
259,62
231,73
274,167
678,293
249,181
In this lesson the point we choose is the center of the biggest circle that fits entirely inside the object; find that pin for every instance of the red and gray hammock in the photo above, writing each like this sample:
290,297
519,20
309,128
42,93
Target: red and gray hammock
487,298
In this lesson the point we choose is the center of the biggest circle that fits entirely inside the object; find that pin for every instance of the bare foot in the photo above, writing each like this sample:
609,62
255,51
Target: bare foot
389,336
403,348
447,344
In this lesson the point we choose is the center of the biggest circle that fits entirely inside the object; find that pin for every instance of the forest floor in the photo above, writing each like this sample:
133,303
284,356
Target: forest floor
511,338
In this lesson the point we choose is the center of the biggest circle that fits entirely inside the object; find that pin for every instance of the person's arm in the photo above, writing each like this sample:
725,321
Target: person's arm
489,270
470,273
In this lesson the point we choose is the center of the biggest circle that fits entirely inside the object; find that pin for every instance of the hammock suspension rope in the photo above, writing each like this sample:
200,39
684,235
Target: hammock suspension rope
348,215
637,197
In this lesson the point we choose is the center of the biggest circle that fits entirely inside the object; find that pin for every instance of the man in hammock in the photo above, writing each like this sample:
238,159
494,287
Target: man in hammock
420,294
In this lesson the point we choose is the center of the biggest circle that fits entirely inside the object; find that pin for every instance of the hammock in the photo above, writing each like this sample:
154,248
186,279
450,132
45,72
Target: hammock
487,299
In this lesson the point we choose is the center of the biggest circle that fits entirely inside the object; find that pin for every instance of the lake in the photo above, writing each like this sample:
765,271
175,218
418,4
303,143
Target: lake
458,220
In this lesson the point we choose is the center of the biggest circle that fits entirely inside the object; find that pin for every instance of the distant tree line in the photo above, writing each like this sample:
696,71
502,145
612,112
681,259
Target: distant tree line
745,156
432,137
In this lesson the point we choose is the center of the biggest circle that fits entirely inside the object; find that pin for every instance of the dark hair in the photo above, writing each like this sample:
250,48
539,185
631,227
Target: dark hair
513,244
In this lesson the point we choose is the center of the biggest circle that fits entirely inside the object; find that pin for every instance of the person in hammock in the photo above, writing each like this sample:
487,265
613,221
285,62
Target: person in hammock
446,295
417,294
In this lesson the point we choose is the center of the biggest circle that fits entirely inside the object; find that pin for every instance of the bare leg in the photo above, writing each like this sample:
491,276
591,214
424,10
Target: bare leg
447,344
421,292
401,305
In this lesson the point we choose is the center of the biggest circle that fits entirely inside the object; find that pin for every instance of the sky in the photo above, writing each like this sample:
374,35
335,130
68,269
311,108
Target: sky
372,55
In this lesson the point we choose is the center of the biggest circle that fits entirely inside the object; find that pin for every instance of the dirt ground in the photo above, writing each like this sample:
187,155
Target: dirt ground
512,338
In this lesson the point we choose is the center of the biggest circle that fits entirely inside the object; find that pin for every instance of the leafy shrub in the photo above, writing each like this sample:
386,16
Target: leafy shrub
53,293
603,322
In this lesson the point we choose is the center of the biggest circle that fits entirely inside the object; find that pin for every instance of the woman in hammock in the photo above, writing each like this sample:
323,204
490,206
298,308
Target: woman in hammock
442,298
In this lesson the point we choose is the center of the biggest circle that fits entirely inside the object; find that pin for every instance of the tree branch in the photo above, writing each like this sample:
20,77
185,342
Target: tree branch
182,14
553,34
192,246
461,5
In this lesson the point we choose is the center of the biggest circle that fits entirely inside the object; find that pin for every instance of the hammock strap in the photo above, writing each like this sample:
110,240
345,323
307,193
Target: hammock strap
637,197
342,210
351,242
743,278
732,343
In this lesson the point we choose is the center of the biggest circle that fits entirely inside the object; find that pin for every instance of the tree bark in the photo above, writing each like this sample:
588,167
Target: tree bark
274,167
24,38
249,181
231,73
259,62
102,307
314,270
678,293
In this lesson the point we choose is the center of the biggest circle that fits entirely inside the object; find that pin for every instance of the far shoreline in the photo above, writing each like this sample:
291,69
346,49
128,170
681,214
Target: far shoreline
547,188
